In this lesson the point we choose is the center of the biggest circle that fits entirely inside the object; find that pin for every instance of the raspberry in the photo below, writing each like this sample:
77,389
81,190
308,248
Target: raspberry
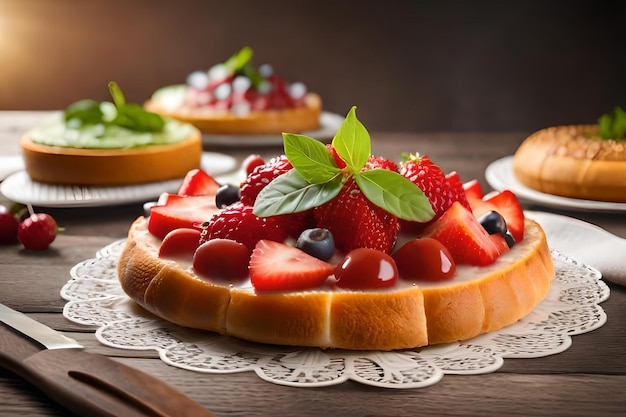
238,222
261,176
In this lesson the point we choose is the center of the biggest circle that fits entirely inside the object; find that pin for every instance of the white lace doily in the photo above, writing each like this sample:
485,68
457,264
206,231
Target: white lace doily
571,307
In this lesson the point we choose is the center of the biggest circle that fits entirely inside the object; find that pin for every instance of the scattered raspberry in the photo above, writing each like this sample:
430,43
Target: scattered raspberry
252,161
261,176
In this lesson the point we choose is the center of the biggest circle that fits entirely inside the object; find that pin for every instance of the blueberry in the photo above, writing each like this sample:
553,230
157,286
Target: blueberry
510,240
493,223
317,242
226,195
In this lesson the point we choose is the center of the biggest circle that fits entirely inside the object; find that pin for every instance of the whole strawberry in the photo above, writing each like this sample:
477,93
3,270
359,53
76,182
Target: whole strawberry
238,222
261,176
431,179
355,222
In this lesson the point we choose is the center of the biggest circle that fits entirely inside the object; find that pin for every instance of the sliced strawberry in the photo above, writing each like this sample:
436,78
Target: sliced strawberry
275,266
456,189
506,203
468,242
179,211
198,182
473,190
500,243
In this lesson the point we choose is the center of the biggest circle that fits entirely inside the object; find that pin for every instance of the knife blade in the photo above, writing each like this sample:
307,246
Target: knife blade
87,384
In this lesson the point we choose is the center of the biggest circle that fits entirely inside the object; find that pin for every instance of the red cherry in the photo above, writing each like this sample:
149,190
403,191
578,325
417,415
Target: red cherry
222,259
424,259
8,226
180,243
365,268
37,232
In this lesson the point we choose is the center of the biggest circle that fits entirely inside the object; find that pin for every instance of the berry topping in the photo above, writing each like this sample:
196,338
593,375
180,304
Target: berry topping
493,223
366,269
440,189
37,231
275,266
180,244
317,242
198,182
424,259
222,259
226,195
261,176
174,211
505,203
239,223
252,161
468,242
8,226
355,222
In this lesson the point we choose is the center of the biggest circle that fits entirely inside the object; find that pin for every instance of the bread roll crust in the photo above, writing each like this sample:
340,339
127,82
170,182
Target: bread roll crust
408,316
293,120
573,161
110,167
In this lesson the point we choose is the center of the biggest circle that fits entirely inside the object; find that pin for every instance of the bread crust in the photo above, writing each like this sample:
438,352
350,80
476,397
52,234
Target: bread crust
110,167
573,161
293,120
408,316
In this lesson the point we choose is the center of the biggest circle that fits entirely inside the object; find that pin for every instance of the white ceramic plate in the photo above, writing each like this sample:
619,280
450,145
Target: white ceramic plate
499,174
329,124
20,188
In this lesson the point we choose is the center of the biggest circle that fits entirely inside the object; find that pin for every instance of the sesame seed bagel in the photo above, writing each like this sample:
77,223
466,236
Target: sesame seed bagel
412,314
573,161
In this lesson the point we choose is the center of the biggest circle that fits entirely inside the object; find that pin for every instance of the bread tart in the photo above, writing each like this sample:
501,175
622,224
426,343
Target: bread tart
86,146
573,161
235,98
293,257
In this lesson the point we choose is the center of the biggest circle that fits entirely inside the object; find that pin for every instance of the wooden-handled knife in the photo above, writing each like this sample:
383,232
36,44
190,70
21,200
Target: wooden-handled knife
88,384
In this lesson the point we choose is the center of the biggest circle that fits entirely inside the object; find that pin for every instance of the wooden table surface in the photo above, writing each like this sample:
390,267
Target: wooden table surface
589,379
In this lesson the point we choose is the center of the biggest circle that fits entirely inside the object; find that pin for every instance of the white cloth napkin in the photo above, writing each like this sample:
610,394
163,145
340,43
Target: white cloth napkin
586,243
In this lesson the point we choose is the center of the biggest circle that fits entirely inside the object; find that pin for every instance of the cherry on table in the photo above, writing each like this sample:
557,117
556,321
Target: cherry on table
37,231
8,226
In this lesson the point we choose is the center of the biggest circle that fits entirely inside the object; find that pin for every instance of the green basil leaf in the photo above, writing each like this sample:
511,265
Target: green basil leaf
85,111
613,126
395,194
116,93
239,59
352,142
134,117
310,158
290,193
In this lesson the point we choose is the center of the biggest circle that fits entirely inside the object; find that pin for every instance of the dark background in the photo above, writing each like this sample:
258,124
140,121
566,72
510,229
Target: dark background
408,66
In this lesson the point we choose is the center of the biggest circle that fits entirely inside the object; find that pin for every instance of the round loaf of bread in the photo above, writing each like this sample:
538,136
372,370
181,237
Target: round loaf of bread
573,161
111,167
412,314
225,122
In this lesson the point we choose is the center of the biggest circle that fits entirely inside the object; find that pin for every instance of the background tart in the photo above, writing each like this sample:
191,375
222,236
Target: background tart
573,161
477,300
272,121
113,166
